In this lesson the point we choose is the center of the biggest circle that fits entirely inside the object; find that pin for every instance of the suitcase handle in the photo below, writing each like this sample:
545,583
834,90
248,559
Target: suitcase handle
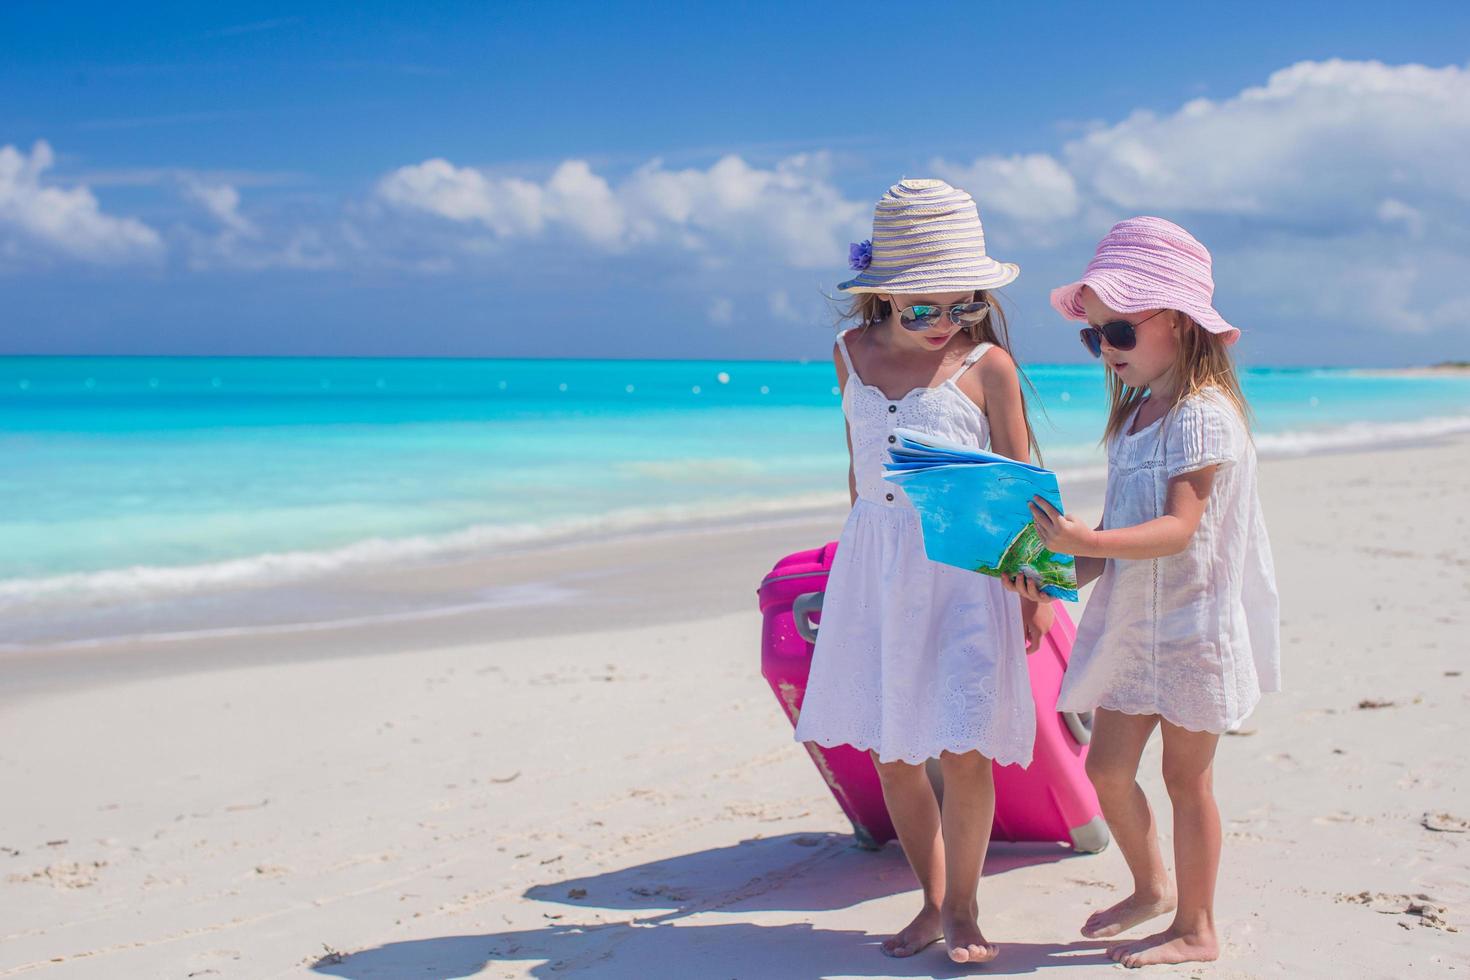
1079,724
801,610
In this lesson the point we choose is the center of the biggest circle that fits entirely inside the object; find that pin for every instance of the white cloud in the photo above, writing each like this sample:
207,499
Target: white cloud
721,310
301,247
732,210
244,244
585,202
507,206
1391,211
1032,187
1352,283
66,220
781,307
1341,172
1335,194
1319,141
222,202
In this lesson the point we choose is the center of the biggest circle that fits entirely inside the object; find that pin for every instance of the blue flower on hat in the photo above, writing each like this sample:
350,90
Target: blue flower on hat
860,255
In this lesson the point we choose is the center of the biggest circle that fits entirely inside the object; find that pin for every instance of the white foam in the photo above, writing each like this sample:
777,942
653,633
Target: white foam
150,582
142,582
533,594
1358,435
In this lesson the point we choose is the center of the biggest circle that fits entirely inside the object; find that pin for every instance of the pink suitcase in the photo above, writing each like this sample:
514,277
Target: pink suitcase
1051,800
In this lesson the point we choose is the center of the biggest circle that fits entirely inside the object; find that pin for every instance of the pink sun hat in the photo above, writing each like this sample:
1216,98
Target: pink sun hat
1148,263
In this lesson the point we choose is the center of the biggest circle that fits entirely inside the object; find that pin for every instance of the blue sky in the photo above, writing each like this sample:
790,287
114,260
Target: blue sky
618,180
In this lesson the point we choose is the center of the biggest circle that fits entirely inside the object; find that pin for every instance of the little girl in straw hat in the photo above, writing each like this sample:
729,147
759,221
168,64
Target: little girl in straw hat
916,660
1181,632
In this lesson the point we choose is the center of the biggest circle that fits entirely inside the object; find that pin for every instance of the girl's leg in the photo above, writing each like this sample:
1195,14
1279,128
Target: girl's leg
915,814
1112,765
1189,759
969,810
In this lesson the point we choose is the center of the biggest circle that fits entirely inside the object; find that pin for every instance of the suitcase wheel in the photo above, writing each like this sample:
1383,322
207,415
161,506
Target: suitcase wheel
1079,724
1091,837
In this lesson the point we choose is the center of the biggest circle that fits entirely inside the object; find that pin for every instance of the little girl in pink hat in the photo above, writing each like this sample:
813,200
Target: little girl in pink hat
1182,631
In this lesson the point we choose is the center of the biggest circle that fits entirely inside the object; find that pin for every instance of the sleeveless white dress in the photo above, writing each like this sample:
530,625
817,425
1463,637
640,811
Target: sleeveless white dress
913,658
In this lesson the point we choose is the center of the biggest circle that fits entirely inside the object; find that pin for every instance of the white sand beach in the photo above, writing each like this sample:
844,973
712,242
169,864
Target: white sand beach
597,782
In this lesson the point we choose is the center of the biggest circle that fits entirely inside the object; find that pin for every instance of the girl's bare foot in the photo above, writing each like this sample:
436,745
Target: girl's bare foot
919,934
966,942
1173,945
1133,910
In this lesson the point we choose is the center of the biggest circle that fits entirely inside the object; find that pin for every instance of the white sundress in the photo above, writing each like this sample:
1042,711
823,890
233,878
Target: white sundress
1193,637
913,658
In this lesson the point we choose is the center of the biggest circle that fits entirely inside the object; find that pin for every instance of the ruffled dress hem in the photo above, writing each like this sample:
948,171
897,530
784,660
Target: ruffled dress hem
1169,716
919,759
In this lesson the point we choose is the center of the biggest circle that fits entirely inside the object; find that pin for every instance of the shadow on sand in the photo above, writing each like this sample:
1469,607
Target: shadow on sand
792,872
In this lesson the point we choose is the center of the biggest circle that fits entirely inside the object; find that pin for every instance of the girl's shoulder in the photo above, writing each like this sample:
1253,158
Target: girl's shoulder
1209,403
849,342
982,368
1204,428
995,362
844,351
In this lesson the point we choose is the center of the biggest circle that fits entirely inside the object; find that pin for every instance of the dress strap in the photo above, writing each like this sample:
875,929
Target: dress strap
970,358
846,357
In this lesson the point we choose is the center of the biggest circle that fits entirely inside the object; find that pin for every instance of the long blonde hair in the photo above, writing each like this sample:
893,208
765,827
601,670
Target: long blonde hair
1202,361
870,309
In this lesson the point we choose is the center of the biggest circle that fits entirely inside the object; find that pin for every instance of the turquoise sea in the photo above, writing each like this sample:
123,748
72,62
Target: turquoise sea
144,477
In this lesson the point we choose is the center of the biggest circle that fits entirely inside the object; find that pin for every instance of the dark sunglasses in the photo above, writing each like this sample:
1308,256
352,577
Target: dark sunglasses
918,318
1120,334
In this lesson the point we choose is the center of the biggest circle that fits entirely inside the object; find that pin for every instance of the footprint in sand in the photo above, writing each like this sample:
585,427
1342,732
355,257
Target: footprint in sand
1090,883
1418,908
1445,823
68,874
1341,816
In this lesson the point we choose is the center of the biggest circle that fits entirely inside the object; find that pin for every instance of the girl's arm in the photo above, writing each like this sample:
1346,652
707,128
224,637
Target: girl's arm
1089,569
1184,505
842,386
1008,437
1003,407
1006,415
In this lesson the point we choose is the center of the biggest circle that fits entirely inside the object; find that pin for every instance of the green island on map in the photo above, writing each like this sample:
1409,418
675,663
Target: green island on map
1026,553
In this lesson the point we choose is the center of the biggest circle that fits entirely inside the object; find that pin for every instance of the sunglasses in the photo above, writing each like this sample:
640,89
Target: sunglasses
1120,334
918,318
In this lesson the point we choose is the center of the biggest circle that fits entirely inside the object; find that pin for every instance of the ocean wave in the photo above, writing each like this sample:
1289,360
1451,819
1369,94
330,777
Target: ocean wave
149,582
1297,442
146,582
527,594
1358,435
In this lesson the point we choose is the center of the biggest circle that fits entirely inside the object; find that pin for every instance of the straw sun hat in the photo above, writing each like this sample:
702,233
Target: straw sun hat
926,239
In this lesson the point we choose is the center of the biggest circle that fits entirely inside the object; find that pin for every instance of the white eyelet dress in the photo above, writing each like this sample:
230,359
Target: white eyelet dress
913,658
1194,637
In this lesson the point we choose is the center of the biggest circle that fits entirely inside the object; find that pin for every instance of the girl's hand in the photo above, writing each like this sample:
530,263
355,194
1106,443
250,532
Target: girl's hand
1025,587
1037,618
1060,532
